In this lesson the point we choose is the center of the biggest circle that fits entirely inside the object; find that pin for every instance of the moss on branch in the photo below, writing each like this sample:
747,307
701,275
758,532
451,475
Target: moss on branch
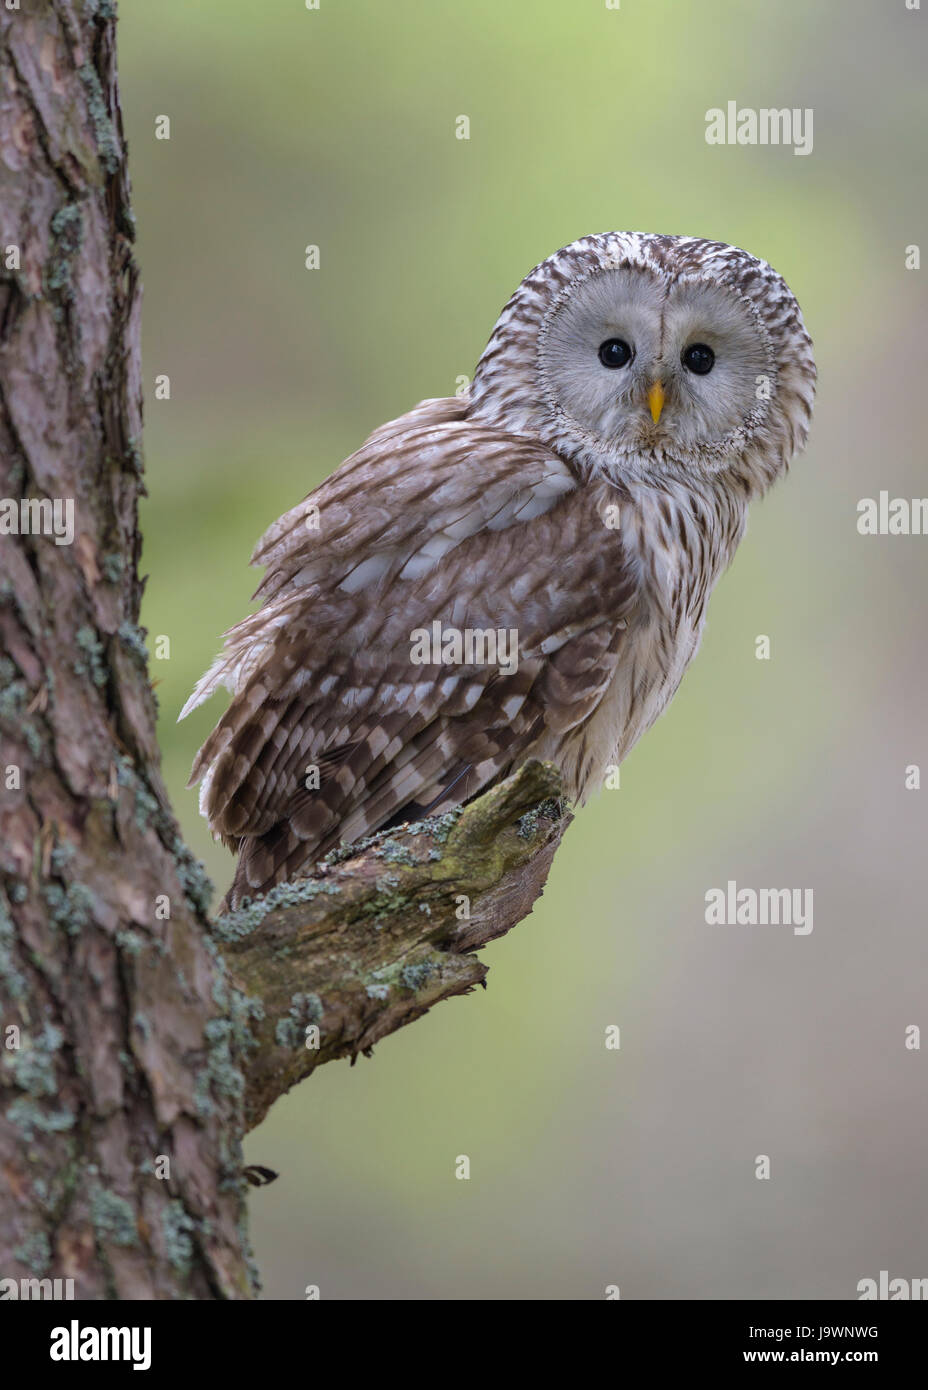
386,928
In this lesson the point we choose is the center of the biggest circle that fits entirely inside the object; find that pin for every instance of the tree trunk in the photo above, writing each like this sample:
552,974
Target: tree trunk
131,1060
120,1144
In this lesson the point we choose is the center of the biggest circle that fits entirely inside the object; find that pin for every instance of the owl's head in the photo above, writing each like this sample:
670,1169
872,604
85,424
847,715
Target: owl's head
653,357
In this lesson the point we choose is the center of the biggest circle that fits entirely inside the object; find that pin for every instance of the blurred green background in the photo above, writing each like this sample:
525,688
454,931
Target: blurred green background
589,1167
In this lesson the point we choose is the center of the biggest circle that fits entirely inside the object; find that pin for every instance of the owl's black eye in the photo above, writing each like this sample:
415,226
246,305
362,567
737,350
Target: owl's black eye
615,352
698,358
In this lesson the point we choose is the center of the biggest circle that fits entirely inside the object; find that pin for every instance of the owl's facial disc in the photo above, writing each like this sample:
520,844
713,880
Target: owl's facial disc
657,366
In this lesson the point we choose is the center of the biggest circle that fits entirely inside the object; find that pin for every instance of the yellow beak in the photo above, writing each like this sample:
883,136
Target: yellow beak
656,401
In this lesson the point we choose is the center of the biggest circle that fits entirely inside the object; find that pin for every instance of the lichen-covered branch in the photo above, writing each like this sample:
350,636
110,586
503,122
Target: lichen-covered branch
333,963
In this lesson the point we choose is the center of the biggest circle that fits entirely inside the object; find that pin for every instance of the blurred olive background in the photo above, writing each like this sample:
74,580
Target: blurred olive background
590,1167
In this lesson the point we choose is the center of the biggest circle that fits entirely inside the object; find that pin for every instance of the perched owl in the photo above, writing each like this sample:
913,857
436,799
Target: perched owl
521,571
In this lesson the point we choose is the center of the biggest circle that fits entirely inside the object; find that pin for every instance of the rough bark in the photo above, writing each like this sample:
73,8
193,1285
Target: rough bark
124,1049
132,1055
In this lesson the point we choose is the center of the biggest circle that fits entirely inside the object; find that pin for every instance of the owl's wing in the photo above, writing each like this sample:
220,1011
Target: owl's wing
467,531
416,488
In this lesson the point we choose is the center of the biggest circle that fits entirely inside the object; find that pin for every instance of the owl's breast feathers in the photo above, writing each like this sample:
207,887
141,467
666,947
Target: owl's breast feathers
355,704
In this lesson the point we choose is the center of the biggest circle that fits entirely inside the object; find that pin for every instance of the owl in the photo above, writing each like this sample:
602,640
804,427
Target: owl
520,571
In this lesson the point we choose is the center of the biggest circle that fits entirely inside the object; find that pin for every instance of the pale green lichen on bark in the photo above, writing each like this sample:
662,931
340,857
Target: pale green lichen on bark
304,1009
67,231
12,981
113,1218
35,1252
93,663
133,639
31,1066
71,908
107,144
177,1228
31,1119
251,912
